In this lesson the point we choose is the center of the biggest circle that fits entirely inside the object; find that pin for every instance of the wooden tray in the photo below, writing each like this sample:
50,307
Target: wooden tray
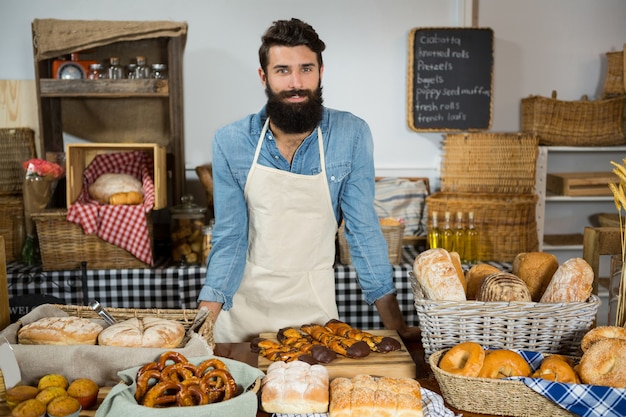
581,183
393,364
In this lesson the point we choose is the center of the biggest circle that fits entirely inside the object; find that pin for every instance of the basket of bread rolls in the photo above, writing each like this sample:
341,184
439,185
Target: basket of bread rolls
539,305
534,383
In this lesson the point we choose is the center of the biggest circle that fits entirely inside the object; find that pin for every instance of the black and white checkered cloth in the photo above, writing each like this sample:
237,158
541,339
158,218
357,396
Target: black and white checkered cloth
172,287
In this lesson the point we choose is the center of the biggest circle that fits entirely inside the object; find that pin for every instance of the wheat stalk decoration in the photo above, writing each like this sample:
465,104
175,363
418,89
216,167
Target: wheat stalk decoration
619,196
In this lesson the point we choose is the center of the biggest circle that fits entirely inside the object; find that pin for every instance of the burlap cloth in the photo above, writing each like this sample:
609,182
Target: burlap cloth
121,401
99,363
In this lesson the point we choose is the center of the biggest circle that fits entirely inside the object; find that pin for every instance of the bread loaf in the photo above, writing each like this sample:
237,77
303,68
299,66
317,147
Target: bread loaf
295,388
536,270
438,276
367,396
109,184
153,332
572,282
503,286
474,278
59,331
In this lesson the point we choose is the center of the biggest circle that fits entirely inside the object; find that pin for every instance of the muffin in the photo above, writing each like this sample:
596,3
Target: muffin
48,394
20,393
85,391
52,380
64,407
29,408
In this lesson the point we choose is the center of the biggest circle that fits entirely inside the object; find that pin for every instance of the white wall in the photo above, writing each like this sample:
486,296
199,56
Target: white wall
540,46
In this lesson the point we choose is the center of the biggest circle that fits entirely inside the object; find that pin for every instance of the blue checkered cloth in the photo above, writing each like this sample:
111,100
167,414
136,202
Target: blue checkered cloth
580,399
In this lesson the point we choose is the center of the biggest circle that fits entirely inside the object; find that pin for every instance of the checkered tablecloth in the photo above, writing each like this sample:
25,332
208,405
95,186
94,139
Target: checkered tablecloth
167,286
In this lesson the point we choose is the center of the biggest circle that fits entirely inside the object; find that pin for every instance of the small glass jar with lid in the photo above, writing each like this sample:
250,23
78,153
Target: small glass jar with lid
158,72
187,231
96,72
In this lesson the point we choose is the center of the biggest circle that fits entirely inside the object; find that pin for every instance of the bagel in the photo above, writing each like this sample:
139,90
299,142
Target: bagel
503,363
465,359
604,363
602,332
558,369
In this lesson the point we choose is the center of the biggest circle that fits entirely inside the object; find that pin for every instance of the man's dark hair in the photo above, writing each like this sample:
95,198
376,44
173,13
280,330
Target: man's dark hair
292,32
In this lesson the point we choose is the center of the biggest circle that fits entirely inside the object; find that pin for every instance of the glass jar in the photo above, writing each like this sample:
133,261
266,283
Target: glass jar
207,241
130,71
96,72
159,72
115,71
187,234
142,70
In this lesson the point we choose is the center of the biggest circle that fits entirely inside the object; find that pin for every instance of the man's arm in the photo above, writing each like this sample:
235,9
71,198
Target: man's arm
214,307
392,318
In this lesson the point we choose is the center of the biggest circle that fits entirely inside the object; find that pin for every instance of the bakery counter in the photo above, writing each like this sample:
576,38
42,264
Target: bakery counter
171,286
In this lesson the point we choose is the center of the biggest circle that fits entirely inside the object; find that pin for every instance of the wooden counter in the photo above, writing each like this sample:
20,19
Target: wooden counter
241,352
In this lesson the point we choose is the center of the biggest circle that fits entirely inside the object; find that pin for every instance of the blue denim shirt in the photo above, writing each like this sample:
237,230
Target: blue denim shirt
348,148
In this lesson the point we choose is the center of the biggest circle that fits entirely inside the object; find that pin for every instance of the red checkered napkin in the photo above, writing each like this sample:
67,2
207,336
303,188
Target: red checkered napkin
125,226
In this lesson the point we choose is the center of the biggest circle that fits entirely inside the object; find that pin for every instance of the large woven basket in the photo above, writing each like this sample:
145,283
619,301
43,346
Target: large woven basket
540,327
506,223
574,123
11,211
493,396
393,235
614,82
183,316
16,146
489,163
64,245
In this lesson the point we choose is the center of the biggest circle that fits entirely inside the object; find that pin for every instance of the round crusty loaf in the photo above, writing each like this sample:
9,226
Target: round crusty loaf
109,184
503,286
536,270
474,278
572,282
438,276
59,331
146,332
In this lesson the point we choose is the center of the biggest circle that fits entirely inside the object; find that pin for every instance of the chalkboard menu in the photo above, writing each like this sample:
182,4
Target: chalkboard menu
450,79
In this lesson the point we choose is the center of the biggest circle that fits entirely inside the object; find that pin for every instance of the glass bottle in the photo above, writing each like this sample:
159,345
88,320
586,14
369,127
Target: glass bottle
434,233
187,224
159,71
115,71
470,255
96,72
459,235
447,235
131,69
142,70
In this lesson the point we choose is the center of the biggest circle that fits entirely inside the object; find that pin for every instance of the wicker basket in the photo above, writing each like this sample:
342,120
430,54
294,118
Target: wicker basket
184,316
540,327
16,146
64,245
493,396
574,123
614,83
506,223
11,211
489,163
393,235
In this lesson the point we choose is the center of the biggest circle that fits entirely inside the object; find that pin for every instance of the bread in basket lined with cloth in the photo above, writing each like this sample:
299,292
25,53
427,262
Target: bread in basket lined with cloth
117,188
114,223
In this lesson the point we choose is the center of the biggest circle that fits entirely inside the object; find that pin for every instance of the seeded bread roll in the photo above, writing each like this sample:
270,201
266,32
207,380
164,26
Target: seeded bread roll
572,282
59,331
474,278
438,276
536,270
503,286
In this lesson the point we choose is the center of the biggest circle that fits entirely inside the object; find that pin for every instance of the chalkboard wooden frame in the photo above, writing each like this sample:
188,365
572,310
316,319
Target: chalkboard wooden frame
450,79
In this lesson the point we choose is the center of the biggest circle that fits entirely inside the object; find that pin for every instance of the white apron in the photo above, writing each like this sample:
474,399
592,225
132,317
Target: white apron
289,278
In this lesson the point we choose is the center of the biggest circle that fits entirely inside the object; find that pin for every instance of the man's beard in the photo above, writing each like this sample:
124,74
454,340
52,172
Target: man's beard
295,117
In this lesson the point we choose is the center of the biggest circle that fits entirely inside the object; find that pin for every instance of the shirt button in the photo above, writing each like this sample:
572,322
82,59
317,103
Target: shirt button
275,156
332,178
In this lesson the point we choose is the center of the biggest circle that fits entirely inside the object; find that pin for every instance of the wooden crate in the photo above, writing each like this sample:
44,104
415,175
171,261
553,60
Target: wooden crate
581,183
79,156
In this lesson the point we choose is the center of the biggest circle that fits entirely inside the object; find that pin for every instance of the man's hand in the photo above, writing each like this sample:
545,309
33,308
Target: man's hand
213,306
392,318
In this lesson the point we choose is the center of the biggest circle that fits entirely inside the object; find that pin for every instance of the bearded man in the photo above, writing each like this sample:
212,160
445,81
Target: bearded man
284,179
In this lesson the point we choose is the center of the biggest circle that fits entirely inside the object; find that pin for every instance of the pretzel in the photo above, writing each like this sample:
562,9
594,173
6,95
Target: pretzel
191,395
161,395
380,344
143,382
219,384
172,356
214,363
179,372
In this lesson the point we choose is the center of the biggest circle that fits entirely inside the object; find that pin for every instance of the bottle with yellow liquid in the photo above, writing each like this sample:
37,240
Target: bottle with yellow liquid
470,253
447,235
459,235
434,233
